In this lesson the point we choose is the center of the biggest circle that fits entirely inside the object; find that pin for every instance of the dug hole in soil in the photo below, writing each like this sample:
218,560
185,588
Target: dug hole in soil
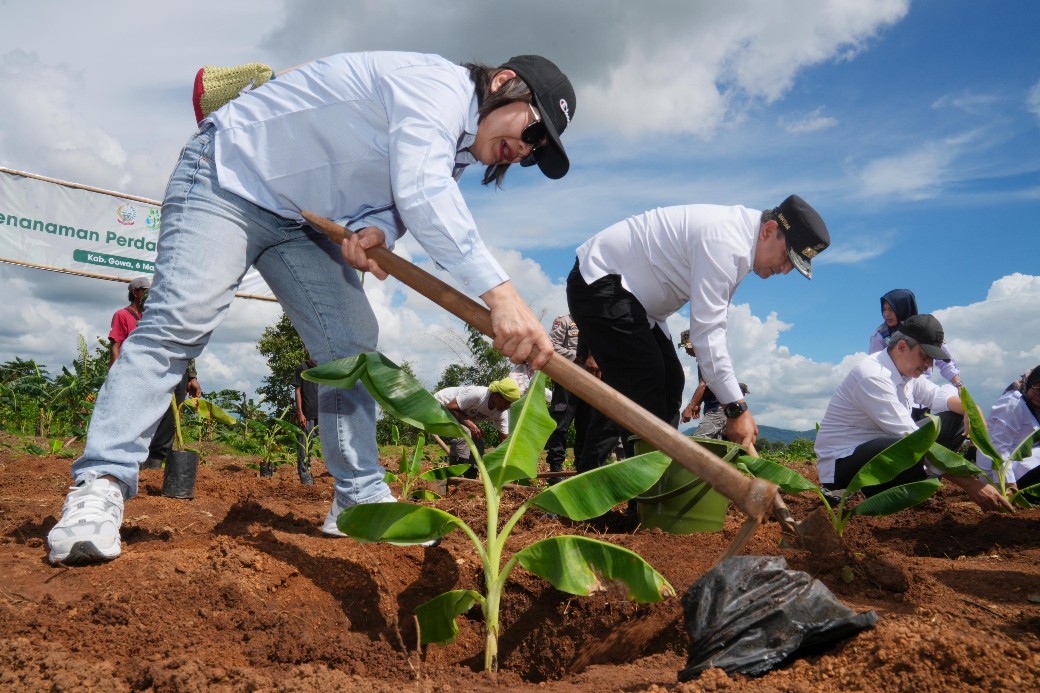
238,590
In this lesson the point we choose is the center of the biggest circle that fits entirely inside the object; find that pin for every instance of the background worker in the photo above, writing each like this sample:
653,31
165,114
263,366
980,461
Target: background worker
1015,415
629,278
124,321
471,404
305,395
562,407
704,405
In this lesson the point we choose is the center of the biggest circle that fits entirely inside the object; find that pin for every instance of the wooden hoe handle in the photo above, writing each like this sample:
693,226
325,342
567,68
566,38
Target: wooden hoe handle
753,496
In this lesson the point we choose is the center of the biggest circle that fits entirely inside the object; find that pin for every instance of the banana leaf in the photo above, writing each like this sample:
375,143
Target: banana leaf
445,472
951,462
898,498
1020,498
977,431
437,616
396,391
578,565
414,466
788,480
896,458
403,524
1025,448
592,493
208,410
529,427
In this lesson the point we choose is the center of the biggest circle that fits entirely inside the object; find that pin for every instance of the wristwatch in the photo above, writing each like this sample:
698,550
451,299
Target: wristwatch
734,409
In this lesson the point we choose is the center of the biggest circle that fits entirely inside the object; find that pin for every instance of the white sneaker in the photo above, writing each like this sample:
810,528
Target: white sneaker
330,529
88,531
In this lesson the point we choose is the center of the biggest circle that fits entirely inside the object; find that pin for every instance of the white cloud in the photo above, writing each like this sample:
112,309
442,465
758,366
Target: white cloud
969,102
670,66
47,105
857,249
914,175
810,122
995,340
1033,100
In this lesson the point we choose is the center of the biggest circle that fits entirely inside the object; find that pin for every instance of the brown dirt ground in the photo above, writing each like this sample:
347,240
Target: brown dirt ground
237,590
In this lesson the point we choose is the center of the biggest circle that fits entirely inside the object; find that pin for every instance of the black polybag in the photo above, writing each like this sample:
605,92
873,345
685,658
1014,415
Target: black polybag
750,614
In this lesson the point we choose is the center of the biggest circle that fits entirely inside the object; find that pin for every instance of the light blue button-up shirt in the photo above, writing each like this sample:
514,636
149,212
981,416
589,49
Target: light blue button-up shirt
365,139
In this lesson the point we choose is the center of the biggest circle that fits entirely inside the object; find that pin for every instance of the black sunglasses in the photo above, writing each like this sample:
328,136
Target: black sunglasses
535,132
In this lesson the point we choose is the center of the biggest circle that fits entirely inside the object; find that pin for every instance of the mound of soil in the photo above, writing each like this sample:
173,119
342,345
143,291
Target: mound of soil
237,590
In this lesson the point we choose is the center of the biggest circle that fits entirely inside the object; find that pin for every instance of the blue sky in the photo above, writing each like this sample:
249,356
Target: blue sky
913,127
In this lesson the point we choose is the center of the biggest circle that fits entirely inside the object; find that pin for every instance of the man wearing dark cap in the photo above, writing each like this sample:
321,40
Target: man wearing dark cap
632,276
870,411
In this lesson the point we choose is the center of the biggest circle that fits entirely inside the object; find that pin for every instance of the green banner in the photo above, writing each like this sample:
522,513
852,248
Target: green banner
132,264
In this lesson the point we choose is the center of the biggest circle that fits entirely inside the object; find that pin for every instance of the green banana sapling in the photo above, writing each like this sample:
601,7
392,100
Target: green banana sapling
573,564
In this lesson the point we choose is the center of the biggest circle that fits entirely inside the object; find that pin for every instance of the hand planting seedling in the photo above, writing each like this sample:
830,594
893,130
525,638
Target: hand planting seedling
1002,467
883,467
573,564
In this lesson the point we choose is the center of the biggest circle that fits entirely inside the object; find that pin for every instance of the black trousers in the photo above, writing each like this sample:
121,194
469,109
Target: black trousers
951,435
595,437
636,359
1029,479
562,409
162,441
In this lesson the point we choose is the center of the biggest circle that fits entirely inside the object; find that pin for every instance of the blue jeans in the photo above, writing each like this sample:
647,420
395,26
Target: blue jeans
209,238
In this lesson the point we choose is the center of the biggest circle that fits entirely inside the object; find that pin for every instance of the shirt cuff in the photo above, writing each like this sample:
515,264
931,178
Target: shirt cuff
479,272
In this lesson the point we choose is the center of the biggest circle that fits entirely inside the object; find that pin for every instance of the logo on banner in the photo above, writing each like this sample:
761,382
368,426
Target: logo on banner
126,214
152,221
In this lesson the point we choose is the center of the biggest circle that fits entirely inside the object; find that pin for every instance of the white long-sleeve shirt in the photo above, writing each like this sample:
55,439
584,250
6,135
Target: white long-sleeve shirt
366,139
1009,422
873,401
671,256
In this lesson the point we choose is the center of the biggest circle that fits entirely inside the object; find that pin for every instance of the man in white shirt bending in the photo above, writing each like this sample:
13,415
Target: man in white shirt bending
630,277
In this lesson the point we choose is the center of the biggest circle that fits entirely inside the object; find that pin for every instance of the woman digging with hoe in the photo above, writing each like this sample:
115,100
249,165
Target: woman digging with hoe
375,141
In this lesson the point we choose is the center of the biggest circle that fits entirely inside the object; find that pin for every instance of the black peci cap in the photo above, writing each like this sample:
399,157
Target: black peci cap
804,231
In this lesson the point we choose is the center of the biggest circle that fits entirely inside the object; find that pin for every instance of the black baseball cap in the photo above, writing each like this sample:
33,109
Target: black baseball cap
554,99
804,231
928,332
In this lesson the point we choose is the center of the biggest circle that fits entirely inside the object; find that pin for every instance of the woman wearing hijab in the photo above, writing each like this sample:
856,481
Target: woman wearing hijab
896,306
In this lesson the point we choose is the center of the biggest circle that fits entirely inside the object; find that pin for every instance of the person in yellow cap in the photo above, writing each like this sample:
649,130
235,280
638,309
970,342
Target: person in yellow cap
471,404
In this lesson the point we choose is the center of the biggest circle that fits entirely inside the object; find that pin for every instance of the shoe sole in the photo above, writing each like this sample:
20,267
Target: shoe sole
83,553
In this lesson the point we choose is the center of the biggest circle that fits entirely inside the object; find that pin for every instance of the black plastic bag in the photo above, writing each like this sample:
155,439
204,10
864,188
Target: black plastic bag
750,614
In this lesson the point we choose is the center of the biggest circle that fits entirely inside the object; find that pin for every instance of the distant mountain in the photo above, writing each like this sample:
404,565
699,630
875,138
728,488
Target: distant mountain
784,435
772,434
